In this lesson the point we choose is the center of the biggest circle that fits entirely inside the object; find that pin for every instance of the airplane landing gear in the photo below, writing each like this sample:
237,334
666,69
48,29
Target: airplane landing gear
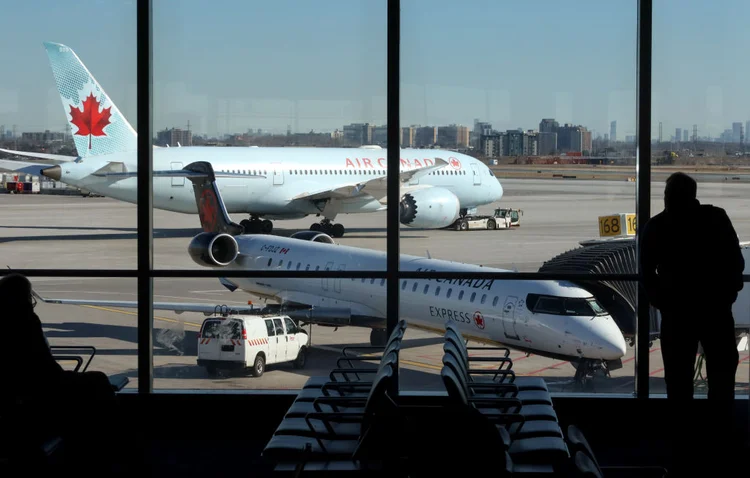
378,337
586,371
255,225
325,226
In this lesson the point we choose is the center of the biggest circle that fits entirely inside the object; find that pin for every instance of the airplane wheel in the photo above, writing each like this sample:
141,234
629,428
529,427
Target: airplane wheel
246,225
337,230
316,227
266,226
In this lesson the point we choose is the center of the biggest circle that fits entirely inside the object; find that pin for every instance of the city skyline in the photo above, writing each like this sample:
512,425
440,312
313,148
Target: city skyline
285,64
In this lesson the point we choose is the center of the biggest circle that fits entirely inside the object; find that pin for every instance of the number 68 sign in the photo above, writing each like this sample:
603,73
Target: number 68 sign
617,225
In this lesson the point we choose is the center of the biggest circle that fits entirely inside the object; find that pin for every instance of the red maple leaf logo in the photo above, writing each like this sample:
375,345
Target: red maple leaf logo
455,164
90,121
479,319
208,210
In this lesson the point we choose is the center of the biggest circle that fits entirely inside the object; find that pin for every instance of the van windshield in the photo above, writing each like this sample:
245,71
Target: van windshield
222,329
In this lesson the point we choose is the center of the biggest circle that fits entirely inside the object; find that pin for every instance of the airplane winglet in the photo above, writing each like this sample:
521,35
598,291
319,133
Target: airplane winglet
211,210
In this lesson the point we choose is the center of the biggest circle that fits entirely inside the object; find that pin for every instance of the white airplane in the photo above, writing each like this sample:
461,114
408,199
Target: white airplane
437,186
555,319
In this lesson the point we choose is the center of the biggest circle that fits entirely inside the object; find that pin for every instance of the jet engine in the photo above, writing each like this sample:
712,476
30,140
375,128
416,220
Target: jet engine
431,208
313,236
212,249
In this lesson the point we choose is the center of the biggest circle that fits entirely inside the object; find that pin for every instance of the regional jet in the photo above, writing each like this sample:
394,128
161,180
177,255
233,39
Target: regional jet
437,186
555,319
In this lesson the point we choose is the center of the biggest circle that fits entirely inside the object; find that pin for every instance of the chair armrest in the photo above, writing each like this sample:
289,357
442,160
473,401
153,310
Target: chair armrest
362,347
505,349
490,359
339,385
349,360
90,348
118,383
346,371
340,401
340,417
75,358
495,402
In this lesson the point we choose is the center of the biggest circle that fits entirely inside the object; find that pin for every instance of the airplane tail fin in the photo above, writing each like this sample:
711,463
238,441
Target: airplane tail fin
213,214
97,125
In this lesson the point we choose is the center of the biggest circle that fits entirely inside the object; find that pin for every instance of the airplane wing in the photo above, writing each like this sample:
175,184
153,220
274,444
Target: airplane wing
178,307
375,187
53,157
23,166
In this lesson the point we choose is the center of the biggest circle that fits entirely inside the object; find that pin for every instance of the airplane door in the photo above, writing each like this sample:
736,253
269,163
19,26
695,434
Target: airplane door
278,174
324,280
337,281
509,318
176,166
477,176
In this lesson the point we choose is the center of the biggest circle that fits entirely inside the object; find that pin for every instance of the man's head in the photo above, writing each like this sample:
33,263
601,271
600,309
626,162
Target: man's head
15,292
680,192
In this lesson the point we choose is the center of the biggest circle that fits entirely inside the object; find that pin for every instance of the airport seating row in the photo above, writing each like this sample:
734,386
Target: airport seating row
492,423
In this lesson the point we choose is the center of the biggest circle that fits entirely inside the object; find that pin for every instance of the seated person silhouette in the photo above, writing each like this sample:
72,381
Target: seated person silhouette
52,400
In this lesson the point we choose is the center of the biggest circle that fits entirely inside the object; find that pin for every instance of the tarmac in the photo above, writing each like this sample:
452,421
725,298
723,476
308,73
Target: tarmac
71,232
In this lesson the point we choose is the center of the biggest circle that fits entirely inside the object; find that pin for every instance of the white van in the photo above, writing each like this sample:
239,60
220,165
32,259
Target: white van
239,342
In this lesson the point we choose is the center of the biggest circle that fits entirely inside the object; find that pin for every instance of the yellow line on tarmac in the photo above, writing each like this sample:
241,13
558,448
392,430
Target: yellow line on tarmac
135,314
420,364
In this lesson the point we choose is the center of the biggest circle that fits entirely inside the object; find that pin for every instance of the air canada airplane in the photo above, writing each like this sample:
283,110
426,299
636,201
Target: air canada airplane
437,186
554,319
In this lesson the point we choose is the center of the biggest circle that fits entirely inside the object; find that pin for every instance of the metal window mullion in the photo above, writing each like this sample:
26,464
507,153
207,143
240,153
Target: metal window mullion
394,166
145,198
643,191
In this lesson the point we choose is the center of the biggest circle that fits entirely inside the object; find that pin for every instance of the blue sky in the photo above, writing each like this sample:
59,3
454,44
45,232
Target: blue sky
227,66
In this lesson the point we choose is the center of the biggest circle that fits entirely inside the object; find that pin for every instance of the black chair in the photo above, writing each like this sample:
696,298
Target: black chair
587,464
502,374
348,356
372,447
536,447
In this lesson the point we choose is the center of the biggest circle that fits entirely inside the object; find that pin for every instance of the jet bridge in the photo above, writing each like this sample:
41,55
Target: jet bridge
608,256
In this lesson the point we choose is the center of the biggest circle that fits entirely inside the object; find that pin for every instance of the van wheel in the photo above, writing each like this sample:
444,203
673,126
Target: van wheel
301,359
259,366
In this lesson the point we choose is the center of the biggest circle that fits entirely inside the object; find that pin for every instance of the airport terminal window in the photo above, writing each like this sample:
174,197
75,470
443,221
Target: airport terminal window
605,112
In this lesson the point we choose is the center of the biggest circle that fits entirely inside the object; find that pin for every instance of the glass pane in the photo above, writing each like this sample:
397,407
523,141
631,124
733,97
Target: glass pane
68,96
218,341
700,125
527,143
72,329
533,165
269,95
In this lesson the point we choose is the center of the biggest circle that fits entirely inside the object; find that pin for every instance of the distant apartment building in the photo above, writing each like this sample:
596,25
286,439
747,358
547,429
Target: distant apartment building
493,145
337,134
678,134
548,125
736,132
531,143
547,143
425,136
408,136
380,135
481,129
613,131
174,137
514,142
685,135
358,133
42,137
453,136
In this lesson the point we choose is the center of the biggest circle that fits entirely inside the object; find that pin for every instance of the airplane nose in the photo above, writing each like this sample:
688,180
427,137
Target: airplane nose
499,190
612,343
55,172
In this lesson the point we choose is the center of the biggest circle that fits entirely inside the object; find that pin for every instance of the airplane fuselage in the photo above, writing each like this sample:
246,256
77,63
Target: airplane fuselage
530,315
289,172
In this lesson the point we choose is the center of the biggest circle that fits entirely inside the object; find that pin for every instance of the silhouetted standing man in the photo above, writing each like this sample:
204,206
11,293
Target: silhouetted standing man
692,266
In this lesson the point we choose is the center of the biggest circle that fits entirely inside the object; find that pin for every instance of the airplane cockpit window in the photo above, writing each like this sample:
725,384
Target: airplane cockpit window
564,305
